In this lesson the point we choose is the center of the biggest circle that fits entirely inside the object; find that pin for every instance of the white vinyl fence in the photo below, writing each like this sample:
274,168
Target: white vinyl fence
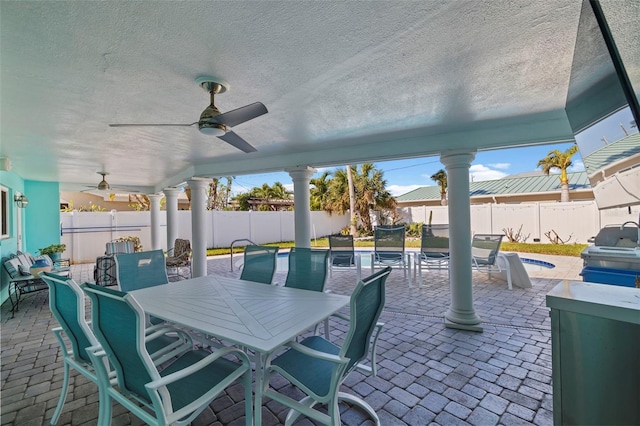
86,233
579,220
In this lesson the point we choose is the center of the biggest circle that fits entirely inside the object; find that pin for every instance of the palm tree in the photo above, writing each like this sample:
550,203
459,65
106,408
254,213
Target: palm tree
353,220
218,194
369,190
559,160
319,191
441,177
265,192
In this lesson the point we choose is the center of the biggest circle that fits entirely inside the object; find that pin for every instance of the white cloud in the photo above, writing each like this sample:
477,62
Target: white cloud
397,190
321,170
480,172
577,166
502,166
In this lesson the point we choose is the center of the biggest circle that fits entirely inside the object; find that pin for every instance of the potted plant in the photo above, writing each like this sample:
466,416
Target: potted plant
54,251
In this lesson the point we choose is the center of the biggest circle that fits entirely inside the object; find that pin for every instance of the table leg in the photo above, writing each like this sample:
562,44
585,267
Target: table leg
257,410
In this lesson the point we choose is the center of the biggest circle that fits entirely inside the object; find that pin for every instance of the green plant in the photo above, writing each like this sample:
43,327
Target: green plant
414,229
53,248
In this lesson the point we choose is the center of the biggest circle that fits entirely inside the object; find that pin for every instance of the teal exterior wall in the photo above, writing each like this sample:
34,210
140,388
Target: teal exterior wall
40,219
9,245
42,216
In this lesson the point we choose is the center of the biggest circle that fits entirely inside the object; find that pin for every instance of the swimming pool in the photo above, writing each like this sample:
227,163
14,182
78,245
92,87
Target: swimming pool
531,265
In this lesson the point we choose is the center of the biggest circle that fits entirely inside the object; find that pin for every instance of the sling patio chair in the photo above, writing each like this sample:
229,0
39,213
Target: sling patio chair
140,270
179,259
318,367
389,249
434,250
308,271
484,252
67,304
179,392
259,263
343,255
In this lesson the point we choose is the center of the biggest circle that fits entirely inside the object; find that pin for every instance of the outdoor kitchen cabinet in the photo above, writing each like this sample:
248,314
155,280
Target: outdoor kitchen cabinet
595,344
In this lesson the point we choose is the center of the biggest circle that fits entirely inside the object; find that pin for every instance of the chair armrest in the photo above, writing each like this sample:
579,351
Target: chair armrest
185,372
316,354
160,330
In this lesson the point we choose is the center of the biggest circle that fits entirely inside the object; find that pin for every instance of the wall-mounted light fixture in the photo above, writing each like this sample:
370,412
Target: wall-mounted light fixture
21,200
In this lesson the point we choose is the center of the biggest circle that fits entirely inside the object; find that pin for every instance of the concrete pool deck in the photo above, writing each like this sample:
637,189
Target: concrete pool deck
428,374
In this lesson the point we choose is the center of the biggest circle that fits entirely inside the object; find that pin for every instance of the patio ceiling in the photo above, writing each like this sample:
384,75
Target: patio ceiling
344,82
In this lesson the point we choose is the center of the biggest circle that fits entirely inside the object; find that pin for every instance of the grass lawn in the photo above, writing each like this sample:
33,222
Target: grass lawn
553,249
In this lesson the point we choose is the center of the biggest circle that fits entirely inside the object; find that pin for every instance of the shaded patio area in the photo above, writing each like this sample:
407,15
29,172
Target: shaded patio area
427,374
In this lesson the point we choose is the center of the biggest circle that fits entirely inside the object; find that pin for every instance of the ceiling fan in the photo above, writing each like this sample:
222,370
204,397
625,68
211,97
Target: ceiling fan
214,123
103,185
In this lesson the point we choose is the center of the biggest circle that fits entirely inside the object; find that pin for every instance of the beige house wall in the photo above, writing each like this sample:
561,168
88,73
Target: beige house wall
540,197
121,202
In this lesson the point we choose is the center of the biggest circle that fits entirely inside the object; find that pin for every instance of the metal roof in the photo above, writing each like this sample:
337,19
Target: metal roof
505,186
612,152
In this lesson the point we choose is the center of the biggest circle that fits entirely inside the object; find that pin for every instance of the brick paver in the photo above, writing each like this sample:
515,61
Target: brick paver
428,374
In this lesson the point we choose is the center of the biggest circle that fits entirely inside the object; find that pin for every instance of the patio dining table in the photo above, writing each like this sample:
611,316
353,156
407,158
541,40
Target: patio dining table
254,316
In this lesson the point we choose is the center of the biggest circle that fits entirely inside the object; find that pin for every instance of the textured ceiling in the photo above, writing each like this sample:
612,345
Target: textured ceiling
343,81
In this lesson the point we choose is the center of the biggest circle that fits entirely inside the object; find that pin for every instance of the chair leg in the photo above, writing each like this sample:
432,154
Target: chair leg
63,394
352,399
248,396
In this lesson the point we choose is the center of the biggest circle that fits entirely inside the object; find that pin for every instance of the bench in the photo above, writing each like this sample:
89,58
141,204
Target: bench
21,281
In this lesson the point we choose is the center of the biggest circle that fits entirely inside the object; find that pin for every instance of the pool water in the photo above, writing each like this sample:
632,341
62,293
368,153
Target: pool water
531,265
535,265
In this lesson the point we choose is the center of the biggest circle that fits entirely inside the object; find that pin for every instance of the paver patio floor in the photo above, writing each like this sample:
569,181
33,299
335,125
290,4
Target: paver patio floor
428,374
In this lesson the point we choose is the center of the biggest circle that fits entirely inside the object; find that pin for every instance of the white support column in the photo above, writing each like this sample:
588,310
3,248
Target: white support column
460,313
301,177
198,226
172,215
154,209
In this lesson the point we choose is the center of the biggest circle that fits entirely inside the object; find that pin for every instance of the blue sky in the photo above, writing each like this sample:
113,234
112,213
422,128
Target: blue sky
405,175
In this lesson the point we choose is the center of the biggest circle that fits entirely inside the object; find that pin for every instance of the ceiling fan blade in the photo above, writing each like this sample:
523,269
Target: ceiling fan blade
240,115
152,125
235,140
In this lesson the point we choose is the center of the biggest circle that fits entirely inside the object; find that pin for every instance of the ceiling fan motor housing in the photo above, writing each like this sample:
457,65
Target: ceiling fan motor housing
211,128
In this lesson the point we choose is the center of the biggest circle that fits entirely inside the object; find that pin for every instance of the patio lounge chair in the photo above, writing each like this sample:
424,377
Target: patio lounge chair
175,395
318,367
484,252
389,249
259,263
67,304
343,255
434,250
178,259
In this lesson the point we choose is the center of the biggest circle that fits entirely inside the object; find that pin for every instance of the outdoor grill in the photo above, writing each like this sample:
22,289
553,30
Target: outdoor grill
614,258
